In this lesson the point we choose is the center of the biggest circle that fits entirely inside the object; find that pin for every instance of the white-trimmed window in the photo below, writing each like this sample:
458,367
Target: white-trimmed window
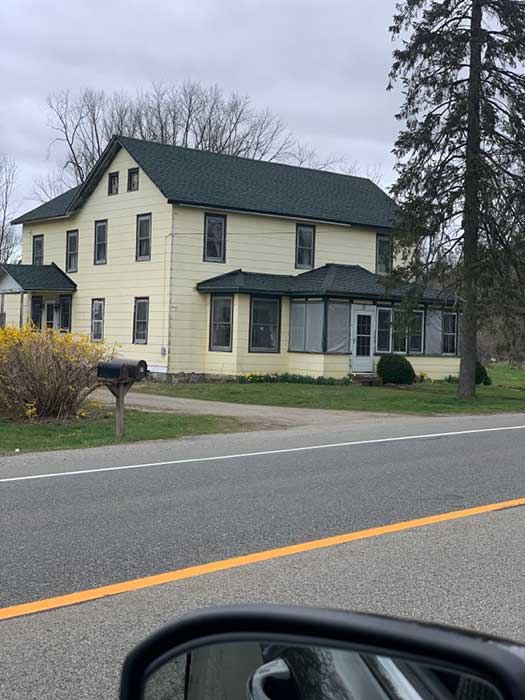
214,238
97,319
265,324
72,251
399,335
450,321
141,320
100,256
143,251
305,246
415,333
221,321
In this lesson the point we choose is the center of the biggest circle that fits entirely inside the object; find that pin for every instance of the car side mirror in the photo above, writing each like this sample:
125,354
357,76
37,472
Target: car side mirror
272,653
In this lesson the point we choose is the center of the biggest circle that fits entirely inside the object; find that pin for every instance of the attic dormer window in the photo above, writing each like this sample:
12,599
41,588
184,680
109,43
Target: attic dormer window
113,183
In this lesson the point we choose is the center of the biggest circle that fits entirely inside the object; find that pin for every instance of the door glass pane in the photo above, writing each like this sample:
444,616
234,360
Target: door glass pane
363,332
50,315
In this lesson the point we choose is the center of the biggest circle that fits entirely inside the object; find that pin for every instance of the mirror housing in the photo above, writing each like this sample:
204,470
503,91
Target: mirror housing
495,661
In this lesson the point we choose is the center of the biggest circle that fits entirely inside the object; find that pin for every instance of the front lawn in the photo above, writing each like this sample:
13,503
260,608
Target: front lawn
507,394
99,429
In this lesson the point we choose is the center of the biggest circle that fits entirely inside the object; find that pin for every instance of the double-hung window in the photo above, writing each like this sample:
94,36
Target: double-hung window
214,238
415,333
38,250
304,246
449,333
100,256
221,320
36,311
143,251
133,179
113,183
141,321
71,251
383,253
384,330
396,331
97,319
265,324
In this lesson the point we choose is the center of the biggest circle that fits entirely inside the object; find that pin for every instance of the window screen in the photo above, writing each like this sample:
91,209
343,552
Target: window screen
221,323
314,326
449,333
297,325
265,325
214,238
338,329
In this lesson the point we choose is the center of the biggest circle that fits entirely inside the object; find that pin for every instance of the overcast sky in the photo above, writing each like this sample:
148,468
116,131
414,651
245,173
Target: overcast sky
320,64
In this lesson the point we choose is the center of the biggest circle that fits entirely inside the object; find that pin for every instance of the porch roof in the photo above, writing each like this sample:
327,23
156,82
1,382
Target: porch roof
33,278
330,280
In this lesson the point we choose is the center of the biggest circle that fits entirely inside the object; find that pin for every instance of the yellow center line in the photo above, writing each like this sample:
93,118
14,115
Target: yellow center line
244,560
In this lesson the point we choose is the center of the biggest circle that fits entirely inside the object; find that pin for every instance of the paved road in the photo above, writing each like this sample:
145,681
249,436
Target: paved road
465,572
71,532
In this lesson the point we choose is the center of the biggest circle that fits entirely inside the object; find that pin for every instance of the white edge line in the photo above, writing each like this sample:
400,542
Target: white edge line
257,454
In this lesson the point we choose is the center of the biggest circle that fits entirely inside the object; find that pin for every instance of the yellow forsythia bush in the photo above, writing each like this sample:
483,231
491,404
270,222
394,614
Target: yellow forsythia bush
46,374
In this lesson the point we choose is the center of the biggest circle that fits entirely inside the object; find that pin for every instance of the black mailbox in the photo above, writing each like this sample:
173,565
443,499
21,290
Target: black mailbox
121,370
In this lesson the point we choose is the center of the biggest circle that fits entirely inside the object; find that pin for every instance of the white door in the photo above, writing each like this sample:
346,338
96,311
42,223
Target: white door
362,340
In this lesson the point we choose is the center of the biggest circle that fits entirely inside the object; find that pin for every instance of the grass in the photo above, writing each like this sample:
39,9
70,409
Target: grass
505,395
99,429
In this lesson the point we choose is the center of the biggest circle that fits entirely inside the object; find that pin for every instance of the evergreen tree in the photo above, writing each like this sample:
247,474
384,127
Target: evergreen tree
462,149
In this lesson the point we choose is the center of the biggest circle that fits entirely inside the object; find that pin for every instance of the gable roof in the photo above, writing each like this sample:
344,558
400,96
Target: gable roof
330,280
41,278
218,181
54,209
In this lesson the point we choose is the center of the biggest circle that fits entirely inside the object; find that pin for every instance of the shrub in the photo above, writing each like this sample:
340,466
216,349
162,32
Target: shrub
451,379
395,369
287,378
46,375
487,381
481,373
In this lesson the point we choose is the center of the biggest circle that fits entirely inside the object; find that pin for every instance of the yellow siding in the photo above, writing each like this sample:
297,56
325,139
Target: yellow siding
122,278
435,367
256,244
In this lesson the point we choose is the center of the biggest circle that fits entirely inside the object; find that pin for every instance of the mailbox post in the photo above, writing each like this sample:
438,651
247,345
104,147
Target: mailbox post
119,375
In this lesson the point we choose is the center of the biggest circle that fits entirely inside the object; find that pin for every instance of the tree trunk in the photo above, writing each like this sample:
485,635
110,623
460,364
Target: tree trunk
471,216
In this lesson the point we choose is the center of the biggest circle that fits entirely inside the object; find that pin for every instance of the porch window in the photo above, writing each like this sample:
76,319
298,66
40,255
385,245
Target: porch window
338,327
65,312
71,251
141,320
214,238
101,243
384,330
304,246
399,332
97,319
415,333
383,253
449,333
306,326
265,325
38,249
36,311
143,251
221,321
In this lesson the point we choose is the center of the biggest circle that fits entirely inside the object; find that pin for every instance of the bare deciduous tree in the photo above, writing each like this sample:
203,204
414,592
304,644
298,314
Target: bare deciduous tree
188,115
8,237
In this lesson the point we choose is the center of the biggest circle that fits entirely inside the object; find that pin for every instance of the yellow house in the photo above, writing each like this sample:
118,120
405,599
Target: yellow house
210,264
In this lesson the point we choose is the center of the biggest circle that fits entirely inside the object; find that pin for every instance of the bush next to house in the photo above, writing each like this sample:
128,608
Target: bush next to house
46,375
395,369
482,376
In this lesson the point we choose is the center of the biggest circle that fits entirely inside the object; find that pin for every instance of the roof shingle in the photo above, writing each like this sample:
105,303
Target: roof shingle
41,278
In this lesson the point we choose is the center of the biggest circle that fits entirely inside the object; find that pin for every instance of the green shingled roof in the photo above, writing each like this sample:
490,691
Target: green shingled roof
50,210
41,278
330,280
211,180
